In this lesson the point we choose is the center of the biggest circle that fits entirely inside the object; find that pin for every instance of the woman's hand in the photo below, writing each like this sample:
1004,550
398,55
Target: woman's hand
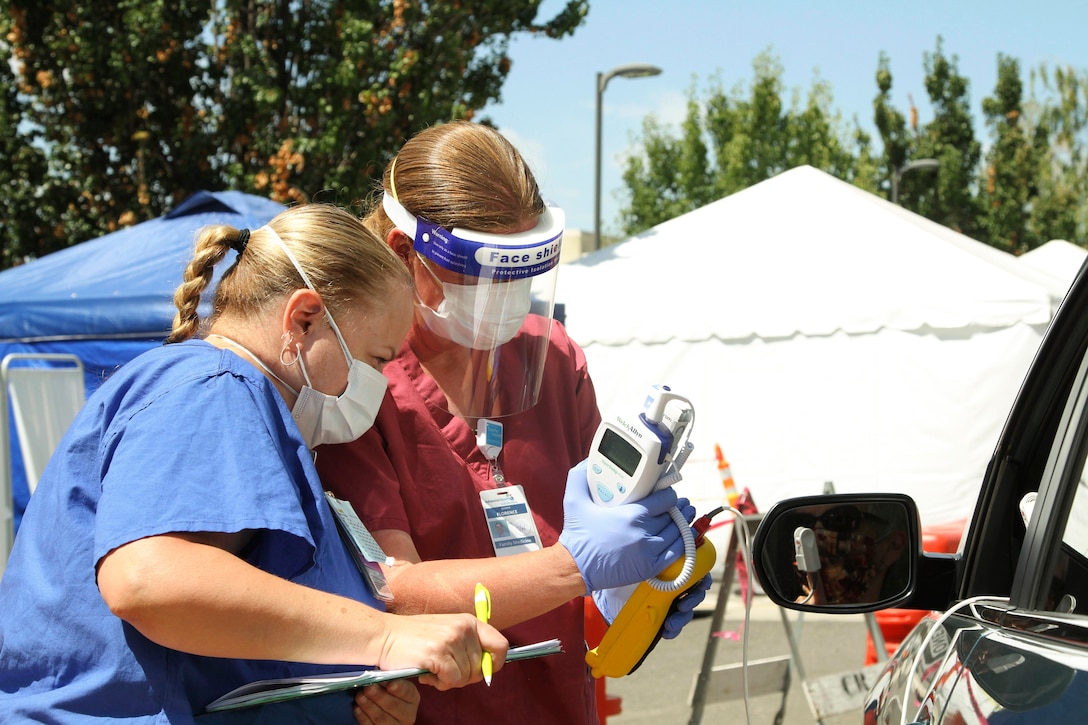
614,546
448,646
388,703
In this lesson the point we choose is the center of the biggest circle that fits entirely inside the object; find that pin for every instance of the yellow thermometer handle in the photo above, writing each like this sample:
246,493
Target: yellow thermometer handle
636,628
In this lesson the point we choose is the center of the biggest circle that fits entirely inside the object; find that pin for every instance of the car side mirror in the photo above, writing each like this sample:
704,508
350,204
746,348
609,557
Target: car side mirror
841,553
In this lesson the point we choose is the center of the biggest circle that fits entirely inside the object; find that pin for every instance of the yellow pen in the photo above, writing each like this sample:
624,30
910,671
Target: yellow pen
483,613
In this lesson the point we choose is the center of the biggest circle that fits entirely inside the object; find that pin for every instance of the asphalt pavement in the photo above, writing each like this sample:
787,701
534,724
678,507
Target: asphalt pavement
659,691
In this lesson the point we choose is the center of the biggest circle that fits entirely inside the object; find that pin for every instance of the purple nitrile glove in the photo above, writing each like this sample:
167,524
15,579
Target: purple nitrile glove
683,608
611,601
618,545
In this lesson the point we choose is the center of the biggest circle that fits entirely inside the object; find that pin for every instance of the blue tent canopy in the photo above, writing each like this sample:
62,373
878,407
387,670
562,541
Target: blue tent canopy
109,299
120,285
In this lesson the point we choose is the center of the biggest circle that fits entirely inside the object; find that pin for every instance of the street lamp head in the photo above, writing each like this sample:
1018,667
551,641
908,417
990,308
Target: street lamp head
915,165
635,70
630,70
919,164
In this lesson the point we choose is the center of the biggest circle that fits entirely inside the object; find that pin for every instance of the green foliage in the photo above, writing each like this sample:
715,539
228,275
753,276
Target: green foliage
26,213
890,123
1055,125
734,140
949,138
1030,186
118,111
1008,186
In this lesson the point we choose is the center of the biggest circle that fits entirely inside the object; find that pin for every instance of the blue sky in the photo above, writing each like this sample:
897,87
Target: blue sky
549,99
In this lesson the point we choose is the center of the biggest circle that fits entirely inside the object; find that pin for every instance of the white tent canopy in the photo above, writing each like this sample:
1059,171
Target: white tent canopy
1057,257
822,334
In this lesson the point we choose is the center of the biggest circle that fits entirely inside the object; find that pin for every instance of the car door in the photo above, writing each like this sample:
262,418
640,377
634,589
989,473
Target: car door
1014,649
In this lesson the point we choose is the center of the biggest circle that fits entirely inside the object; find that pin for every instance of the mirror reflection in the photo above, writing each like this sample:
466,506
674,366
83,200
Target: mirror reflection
1017,678
839,554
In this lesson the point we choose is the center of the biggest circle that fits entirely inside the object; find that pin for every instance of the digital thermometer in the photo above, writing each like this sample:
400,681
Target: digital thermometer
630,455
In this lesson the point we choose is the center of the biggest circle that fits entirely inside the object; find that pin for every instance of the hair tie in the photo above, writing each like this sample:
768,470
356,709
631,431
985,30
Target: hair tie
241,241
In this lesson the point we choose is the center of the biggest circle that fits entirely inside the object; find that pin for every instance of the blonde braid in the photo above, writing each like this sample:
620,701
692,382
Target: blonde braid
211,247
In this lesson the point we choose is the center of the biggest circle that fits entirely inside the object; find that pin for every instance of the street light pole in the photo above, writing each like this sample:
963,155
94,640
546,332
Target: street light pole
897,174
631,70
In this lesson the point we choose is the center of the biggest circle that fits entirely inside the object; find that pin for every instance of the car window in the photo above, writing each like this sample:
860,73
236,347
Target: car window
1066,578
1067,590
1075,536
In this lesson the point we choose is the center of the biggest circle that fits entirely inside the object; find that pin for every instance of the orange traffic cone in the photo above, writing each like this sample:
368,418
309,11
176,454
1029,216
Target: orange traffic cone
726,474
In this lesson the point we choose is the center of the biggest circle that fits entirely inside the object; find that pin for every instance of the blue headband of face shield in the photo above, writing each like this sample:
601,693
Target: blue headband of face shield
482,254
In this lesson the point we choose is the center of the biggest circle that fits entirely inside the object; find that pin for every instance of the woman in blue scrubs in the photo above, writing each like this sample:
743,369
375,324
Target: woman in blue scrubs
179,544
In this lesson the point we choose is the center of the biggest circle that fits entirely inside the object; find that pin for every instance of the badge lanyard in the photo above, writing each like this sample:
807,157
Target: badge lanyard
510,521
489,441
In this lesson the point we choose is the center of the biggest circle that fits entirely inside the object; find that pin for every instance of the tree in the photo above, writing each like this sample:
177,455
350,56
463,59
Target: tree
1056,127
948,197
1008,186
950,138
26,213
732,141
132,106
1031,186
100,90
890,123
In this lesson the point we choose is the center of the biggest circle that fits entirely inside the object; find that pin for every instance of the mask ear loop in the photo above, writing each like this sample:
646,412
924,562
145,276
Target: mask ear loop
287,337
302,365
309,285
439,282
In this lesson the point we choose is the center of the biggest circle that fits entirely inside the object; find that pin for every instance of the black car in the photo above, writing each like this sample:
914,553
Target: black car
1008,640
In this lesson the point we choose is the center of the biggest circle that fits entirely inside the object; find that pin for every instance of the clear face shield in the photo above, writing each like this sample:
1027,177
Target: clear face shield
484,308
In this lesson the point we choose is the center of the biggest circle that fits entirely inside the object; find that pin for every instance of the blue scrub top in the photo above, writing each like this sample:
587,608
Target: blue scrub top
184,438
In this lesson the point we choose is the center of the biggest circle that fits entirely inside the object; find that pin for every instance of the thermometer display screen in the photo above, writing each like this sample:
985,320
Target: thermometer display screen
623,454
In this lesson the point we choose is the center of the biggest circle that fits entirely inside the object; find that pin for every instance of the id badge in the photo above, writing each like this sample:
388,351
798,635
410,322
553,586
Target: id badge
366,552
509,521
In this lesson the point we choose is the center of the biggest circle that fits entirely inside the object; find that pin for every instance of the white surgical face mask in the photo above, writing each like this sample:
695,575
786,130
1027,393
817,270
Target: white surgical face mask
323,418
480,317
